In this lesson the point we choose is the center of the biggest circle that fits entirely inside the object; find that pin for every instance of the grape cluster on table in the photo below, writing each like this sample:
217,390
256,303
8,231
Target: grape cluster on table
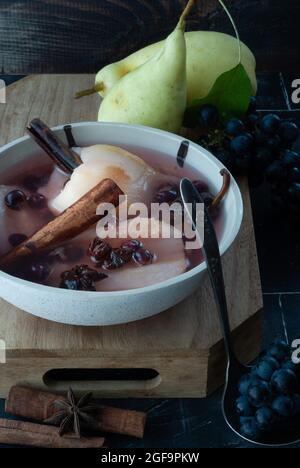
257,145
269,393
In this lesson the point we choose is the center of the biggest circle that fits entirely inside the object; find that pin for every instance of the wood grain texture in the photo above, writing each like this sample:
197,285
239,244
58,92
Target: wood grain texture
46,36
178,343
80,36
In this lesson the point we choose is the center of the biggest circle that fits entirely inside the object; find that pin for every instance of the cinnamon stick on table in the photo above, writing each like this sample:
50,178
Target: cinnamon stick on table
71,222
39,435
36,404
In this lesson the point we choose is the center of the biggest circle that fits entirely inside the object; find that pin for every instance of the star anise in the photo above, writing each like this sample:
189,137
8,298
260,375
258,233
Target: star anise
75,415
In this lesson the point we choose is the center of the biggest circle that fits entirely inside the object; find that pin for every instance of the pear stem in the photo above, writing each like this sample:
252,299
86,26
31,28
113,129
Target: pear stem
87,92
234,27
185,13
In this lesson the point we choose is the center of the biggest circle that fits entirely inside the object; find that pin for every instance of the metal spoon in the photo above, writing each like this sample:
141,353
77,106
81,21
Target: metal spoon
235,370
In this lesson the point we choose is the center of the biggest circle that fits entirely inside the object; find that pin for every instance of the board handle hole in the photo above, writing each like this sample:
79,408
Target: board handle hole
104,379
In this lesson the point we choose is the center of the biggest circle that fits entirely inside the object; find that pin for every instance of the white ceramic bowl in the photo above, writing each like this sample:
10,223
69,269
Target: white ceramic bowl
107,308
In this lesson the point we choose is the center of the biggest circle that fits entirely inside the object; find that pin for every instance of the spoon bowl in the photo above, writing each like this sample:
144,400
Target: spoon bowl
287,434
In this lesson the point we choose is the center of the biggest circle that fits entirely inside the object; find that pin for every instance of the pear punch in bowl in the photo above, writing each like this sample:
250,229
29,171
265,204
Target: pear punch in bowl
111,303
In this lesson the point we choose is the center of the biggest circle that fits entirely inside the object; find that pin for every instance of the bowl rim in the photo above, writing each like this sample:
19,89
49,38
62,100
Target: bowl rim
155,286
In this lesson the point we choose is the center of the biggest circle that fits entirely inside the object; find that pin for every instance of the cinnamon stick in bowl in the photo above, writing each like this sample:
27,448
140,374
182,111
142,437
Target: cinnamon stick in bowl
70,223
64,157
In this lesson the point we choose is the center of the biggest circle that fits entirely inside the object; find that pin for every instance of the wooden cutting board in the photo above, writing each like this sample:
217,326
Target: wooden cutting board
178,353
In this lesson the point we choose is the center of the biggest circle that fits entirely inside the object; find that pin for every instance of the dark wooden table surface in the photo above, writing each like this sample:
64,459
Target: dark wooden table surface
80,36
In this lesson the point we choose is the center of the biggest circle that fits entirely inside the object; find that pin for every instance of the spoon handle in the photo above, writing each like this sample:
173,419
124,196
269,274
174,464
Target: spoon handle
213,262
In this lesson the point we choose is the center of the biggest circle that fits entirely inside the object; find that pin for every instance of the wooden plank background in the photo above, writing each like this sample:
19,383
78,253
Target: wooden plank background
80,36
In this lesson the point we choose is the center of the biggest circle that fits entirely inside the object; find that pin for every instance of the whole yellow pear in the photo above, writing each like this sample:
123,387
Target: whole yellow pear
155,92
209,54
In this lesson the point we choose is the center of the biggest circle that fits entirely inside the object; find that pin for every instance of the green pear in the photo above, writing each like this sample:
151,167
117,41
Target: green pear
209,54
155,93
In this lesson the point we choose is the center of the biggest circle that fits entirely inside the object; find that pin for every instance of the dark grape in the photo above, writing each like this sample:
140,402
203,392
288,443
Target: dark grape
142,257
284,381
288,131
265,417
249,428
39,271
166,194
85,270
131,245
234,127
81,278
243,407
279,349
268,392
98,250
70,280
124,254
290,158
88,277
16,239
283,405
252,105
37,201
113,261
261,147
208,116
270,124
242,144
15,199
252,120
266,367
259,393
245,381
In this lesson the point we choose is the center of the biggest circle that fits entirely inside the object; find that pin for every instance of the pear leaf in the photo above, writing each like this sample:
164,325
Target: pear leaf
230,93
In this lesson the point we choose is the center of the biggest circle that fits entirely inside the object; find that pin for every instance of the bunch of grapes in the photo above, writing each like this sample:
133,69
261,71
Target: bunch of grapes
269,393
260,146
